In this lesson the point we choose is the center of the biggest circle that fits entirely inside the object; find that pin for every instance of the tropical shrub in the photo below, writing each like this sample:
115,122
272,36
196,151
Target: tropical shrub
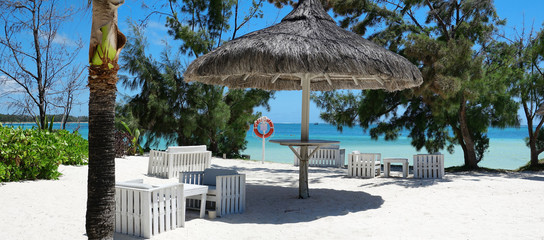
123,143
127,136
134,136
36,154
73,149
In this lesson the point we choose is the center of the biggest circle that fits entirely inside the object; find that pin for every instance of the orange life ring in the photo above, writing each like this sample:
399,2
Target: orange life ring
256,130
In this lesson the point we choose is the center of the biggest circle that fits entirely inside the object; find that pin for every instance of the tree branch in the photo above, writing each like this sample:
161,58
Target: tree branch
144,21
235,20
7,43
538,69
15,55
409,12
27,90
439,20
249,17
539,126
459,21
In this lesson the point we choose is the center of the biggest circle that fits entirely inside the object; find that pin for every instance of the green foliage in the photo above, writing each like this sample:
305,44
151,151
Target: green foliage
533,167
241,103
520,63
135,140
127,134
123,144
539,143
202,31
281,3
36,154
460,96
47,125
186,113
72,149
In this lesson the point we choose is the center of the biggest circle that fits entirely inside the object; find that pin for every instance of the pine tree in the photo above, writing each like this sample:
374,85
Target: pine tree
187,113
518,61
458,100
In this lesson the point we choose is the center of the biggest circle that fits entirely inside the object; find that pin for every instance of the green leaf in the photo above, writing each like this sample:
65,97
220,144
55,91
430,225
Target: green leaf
127,129
51,124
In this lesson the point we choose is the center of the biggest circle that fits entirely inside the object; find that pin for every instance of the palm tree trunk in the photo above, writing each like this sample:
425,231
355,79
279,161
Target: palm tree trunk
105,45
100,221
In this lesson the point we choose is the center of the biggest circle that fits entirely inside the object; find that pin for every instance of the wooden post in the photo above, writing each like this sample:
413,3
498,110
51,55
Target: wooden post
262,159
303,190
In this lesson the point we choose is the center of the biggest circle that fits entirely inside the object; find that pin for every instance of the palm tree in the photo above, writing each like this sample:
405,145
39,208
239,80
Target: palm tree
104,48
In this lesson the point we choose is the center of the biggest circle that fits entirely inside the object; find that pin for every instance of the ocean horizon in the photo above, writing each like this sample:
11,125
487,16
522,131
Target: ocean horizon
507,149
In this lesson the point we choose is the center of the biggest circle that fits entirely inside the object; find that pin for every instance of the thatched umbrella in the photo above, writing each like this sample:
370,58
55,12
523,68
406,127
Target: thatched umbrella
307,51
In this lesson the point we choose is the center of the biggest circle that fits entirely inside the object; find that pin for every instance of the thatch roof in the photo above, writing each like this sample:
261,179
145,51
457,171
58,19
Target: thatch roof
306,41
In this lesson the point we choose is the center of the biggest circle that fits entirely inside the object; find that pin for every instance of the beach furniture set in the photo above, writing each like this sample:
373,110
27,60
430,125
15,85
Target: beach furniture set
144,210
369,165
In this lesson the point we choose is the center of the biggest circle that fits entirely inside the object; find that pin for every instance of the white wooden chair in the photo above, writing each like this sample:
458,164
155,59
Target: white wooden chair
144,210
428,165
329,156
226,188
170,163
366,165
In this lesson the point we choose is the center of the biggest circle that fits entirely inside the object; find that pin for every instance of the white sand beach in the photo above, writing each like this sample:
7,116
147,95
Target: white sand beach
460,206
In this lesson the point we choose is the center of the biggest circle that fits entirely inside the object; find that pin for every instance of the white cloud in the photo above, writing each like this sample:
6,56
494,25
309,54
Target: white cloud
64,40
157,26
8,86
157,32
60,39
159,40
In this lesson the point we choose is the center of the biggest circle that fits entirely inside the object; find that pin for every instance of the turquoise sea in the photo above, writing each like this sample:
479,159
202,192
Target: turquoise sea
507,148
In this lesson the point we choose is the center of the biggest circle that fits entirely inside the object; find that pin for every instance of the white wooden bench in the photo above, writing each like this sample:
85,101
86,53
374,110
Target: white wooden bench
169,163
226,189
428,166
329,156
366,165
144,210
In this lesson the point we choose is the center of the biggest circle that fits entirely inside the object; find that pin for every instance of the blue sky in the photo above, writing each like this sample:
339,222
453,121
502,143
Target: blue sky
283,108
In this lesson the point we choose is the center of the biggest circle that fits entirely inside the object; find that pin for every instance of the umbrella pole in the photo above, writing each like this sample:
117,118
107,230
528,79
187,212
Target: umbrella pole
303,190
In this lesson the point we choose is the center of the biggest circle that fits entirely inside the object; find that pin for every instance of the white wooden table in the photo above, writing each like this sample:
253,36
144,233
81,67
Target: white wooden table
387,166
193,190
303,191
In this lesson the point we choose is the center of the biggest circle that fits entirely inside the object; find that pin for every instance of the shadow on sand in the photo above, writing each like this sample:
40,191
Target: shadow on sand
535,178
280,205
267,204
406,182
